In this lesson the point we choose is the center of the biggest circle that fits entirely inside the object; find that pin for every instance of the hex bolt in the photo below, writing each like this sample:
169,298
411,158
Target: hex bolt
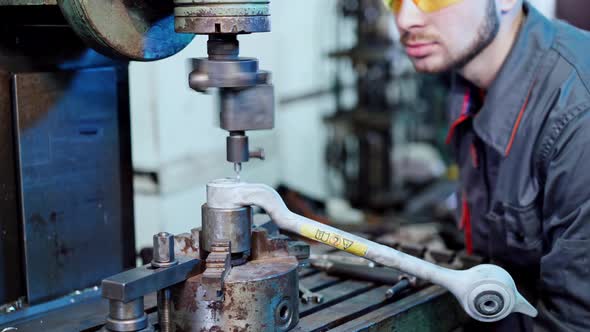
163,250
489,303
164,257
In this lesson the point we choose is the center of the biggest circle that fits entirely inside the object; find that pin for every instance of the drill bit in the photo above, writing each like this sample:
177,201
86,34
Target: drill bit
238,170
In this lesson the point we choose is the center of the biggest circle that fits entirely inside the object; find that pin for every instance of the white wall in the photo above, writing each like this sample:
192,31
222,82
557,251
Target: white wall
175,131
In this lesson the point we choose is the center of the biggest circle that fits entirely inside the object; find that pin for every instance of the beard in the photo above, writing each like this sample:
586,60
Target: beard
486,33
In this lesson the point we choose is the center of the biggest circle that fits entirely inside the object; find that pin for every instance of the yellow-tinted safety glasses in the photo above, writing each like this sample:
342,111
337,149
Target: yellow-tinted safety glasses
427,6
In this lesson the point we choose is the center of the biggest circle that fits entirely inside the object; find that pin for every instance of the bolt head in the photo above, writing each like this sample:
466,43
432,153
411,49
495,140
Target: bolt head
163,250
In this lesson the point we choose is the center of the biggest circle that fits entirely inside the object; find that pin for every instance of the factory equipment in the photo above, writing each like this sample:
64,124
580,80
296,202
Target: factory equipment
360,145
228,275
247,96
65,170
394,110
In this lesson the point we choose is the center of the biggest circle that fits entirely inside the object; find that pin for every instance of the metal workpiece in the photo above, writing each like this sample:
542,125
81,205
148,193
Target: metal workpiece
467,286
130,285
233,225
259,296
140,30
163,250
222,16
126,316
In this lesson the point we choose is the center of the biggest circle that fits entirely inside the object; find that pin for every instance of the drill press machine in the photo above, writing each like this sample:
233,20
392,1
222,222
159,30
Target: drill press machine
247,96
248,281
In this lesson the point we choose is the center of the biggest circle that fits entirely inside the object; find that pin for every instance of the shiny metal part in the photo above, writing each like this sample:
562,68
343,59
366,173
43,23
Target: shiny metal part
238,170
233,225
132,284
126,316
163,250
261,295
222,16
237,147
234,73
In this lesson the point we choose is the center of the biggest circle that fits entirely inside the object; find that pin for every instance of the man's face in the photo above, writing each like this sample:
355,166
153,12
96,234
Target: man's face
448,38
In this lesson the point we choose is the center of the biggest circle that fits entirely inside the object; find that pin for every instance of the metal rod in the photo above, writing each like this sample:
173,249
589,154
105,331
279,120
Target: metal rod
401,286
165,310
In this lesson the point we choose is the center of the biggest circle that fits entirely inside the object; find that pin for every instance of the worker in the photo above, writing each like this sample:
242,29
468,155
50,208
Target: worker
520,133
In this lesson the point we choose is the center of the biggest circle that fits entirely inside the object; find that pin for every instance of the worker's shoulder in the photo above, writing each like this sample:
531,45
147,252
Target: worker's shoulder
566,89
572,46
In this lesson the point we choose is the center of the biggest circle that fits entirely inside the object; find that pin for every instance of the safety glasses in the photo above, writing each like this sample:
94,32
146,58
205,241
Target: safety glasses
427,6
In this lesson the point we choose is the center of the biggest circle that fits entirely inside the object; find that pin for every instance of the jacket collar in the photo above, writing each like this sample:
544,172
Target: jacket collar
506,100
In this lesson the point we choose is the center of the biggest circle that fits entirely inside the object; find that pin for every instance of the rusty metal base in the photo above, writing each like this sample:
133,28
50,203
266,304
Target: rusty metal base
261,295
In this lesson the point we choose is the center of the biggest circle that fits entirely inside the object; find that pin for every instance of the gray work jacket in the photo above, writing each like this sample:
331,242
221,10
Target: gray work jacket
523,149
